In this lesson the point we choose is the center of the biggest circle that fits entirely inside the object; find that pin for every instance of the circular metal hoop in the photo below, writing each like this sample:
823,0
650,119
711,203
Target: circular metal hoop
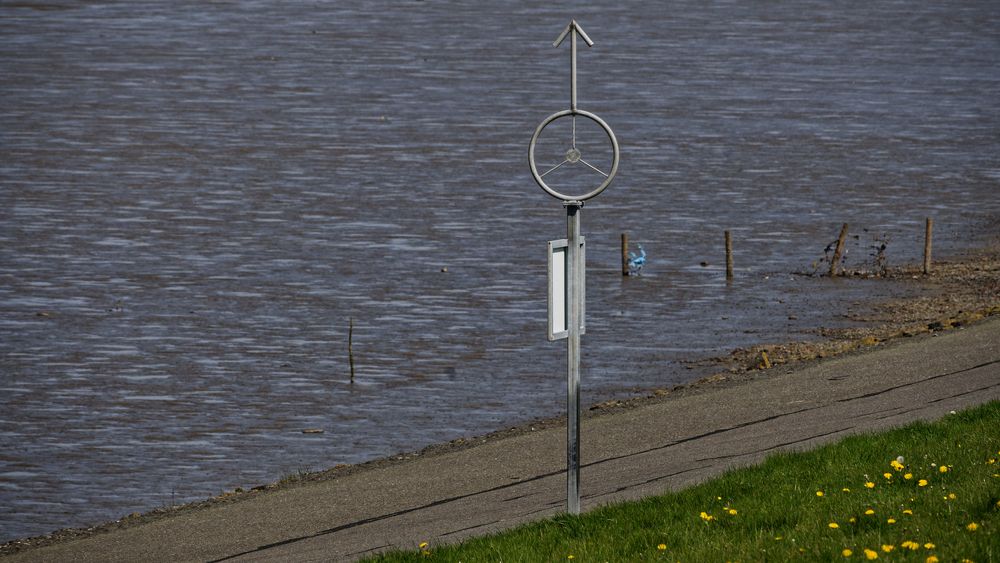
614,161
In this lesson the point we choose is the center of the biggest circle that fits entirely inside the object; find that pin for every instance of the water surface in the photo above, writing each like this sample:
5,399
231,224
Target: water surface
197,197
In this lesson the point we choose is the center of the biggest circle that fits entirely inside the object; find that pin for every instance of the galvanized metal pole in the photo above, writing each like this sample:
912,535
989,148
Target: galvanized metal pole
574,282
572,71
575,267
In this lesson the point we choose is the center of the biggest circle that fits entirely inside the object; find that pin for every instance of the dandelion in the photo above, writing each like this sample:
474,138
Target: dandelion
887,475
908,512
972,527
932,559
908,476
833,525
662,547
869,512
911,545
952,496
891,521
846,490
707,517
423,545
922,483
888,548
943,469
869,485
732,512
871,554
847,553
896,465
852,519
571,556
929,545
819,493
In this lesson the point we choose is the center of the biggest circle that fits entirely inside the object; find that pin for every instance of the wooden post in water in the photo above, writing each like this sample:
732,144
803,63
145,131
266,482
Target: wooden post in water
928,232
350,342
729,256
835,261
624,254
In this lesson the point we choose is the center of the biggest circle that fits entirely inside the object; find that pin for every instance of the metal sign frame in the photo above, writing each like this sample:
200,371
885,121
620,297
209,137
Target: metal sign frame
558,307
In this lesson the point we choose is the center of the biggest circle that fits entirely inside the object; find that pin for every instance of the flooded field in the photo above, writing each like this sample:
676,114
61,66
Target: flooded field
198,198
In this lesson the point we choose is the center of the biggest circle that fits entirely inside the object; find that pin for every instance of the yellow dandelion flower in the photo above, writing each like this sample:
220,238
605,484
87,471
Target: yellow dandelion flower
819,493
929,545
662,547
869,484
852,519
943,469
707,517
571,556
952,496
869,512
847,553
871,554
778,538
991,461
423,545
972,527
922,483
908,476
888,548
911,545
833,525
896,465
732,512
887,475
908,511
846,490
932,559
891,521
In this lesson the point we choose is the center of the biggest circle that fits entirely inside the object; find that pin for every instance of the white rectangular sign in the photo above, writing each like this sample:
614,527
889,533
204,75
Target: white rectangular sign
558,305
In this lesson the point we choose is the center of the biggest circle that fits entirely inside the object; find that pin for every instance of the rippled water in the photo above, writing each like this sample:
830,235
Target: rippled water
197,197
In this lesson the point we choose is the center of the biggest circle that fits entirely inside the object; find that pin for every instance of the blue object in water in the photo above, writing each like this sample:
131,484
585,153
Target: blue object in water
636,262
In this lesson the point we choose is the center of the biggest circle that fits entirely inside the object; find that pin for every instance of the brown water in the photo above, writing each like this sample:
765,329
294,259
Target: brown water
196,197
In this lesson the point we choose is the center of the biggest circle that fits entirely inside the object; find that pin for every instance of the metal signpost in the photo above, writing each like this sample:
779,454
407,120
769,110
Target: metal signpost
567,270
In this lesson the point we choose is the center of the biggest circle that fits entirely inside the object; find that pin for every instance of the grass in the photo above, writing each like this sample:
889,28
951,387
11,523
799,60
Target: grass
846,501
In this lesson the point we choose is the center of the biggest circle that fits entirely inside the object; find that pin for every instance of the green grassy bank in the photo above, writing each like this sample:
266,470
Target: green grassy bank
925,492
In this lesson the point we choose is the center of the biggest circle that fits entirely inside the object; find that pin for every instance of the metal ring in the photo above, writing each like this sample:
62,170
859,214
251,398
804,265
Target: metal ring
614,161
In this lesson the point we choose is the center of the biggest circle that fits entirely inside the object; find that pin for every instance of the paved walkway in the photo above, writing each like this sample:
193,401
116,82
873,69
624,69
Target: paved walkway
499,484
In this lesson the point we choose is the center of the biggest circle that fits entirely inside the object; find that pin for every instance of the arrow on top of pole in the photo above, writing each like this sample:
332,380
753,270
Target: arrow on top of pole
572,29
575,28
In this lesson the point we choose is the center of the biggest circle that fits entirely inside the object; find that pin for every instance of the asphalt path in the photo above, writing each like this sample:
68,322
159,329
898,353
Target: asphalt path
498,484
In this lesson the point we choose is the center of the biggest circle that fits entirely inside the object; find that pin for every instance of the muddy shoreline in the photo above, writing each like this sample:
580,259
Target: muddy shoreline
956,293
